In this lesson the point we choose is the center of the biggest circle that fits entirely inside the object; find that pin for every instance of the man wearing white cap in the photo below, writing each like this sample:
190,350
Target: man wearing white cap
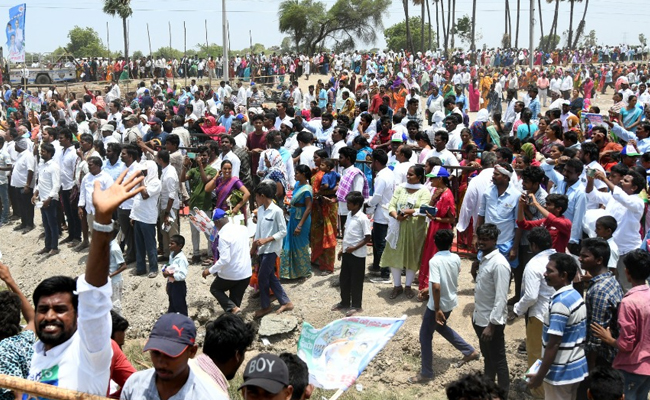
107,134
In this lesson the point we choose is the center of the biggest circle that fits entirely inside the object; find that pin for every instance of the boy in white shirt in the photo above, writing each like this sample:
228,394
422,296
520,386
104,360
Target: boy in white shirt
605,228
176,272
355,238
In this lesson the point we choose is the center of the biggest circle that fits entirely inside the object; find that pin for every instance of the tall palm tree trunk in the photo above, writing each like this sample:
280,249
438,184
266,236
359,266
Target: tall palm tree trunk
444,26
453,25
570,37
126,40
554,25
429,22
473,29
409,40
438,25
541,24
581,26
517,26
422,27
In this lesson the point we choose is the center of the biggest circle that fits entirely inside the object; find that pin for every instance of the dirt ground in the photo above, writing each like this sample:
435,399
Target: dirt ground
144,300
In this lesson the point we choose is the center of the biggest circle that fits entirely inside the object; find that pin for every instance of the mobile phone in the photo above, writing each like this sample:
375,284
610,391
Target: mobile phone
191,156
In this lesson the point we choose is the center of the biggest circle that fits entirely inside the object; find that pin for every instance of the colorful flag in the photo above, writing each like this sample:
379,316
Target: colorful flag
15,31
338,353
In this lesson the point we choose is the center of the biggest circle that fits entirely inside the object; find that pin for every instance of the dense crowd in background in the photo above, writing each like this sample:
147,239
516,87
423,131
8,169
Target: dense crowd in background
383,150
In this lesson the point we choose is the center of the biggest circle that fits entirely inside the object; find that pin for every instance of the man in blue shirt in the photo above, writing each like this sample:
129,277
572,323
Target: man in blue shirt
534,105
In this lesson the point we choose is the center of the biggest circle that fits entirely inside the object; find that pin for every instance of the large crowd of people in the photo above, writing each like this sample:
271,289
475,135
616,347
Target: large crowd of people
550,196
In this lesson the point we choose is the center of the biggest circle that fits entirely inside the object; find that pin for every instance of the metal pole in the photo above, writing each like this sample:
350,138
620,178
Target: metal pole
185,66
149,37
207,54
108,40
226,64
531,34
170,56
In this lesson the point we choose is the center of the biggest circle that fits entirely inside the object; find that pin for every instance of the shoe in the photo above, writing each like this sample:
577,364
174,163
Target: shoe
338,307
28,229
74,243
19,227
41,251
352,311
53,252
397,290
196,260
81,246
66,240
381,279
409,293
152,274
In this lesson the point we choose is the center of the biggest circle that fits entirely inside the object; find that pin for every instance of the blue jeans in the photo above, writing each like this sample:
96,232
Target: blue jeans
4,199
427,329
51,225
267,280
145,245
637,386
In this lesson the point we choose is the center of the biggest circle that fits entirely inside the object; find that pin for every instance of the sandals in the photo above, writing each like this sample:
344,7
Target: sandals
208,262
474,356
337,307
353,311
397,290
409,293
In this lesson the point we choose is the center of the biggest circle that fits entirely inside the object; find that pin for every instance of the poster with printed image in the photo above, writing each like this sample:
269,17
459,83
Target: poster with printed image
339,352
15,32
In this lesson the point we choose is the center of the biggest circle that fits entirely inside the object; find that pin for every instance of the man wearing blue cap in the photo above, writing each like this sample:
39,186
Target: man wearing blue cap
233,267
171,344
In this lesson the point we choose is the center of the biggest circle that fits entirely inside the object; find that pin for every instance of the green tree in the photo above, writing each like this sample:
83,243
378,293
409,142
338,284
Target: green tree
590,40
122,9
550,41
167,53
138,54
395,35
85,42
211,50
355,20
463,29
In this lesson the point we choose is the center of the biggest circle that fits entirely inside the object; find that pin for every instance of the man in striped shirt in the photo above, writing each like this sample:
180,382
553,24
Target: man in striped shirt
564,364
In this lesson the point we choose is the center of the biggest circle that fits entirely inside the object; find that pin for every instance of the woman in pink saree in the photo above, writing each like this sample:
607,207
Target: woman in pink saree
474,96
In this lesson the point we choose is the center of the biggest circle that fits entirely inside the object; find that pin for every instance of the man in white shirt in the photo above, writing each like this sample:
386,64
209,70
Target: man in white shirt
87,188
403,156
492,277
47,192
352,180
129,156
338,134
233,268
227,142
308,149
145,215
5,169
454,124
384,186
440,150
73,320
107,134
536,294
567,85
169,202
68,164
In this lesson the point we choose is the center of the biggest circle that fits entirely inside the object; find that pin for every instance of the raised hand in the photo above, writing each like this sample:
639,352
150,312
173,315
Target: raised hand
107,201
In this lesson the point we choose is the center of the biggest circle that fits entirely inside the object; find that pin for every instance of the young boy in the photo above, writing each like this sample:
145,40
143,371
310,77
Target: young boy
331,177
554,220
115,268
605,227
608,384
353,255
271,229
175,272
444,268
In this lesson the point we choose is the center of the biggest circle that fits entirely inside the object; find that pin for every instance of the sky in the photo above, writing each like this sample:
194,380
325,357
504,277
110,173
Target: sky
48,22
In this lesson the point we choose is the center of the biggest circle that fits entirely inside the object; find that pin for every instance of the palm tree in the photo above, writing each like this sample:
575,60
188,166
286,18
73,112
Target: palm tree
421,4
445,30
121,8
429,22
570,37
541,25
581,25
508,25
453,23
551,34
517,26
409,40
438,24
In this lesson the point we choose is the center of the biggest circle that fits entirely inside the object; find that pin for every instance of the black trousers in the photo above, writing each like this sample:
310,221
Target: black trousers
70,209
236,291
495,363
25,207
127,232
352,275
379,232
176,292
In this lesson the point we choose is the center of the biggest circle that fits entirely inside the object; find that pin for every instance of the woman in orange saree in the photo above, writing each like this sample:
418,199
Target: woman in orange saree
324,219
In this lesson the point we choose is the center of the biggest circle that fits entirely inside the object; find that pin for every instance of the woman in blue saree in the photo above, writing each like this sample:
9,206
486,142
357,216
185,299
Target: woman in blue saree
364,153
295,261
631,115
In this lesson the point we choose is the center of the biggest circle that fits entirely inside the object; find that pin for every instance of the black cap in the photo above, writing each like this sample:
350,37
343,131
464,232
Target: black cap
268,372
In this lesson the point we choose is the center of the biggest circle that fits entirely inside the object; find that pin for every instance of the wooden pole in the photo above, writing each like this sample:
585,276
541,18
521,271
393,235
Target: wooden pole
108,40
149,37
185,53
170,55
207,54
19,385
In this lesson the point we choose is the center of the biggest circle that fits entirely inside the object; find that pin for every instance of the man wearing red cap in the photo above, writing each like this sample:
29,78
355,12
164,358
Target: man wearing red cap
171,344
